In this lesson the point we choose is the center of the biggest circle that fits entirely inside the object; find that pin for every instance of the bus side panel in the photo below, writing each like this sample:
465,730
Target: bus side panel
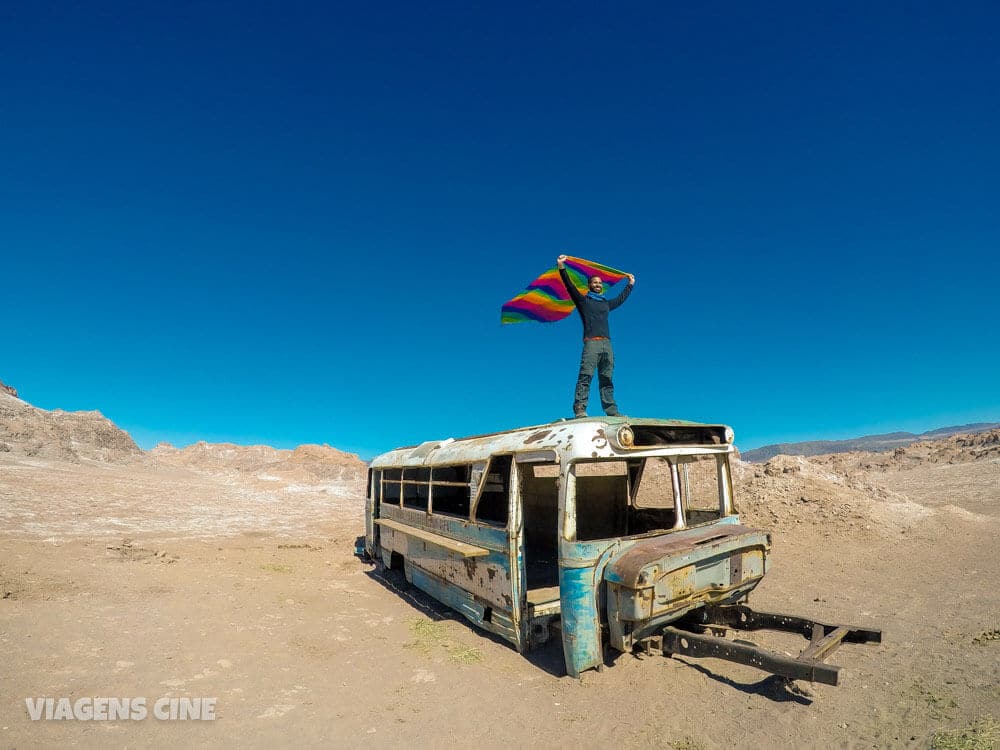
479,587
581,578
581,625
492,538
391,541
486,578
462,601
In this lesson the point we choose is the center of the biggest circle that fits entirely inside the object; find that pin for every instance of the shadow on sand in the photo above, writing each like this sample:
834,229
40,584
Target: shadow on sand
548,658
773,687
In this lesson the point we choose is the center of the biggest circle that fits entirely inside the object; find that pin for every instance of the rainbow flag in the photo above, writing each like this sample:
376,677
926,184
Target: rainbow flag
546,300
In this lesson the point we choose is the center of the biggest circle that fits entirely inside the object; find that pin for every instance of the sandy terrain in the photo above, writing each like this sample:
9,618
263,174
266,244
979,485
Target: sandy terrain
241,585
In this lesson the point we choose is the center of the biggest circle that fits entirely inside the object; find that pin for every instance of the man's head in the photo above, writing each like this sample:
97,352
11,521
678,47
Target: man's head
595,284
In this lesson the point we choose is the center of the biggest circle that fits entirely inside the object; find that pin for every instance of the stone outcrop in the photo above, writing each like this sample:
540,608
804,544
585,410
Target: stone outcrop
62,435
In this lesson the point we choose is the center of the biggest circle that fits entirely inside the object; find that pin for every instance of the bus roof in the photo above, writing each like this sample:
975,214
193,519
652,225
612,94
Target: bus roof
595,437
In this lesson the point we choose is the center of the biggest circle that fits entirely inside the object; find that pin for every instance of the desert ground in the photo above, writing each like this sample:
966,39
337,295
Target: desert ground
227,572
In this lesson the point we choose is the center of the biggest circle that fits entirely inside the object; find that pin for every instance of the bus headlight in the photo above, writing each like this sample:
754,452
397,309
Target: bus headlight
730,435
626,438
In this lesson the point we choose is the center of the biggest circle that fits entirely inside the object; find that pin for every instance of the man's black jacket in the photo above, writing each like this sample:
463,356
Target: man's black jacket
593,312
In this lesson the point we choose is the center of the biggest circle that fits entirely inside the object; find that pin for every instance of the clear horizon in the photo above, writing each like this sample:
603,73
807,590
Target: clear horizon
297,225
147,445
743,447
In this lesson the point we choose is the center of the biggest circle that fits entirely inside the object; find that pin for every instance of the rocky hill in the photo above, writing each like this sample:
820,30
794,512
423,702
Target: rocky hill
871,443
951,450
794,490
30,432
62,435
307,464
868,491
76,473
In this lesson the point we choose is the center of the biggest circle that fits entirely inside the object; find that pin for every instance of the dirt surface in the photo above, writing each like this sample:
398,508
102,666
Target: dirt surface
225,579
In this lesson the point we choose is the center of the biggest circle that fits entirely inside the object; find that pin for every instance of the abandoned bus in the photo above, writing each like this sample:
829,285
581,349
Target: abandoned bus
601,529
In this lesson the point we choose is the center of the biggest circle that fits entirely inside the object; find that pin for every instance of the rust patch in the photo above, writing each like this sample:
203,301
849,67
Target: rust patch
630,565
680,583
599,435
537,436
491,572
736,569
470,566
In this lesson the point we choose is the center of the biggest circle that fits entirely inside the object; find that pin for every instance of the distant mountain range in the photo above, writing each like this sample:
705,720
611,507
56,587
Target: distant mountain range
875,443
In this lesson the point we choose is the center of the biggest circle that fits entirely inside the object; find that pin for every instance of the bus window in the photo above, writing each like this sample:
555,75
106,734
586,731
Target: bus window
700,488
655,488
416,488
452,491
391,489
603,490
495,495
601,500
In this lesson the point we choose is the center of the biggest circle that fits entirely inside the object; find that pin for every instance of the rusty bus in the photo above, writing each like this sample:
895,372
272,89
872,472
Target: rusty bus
606,531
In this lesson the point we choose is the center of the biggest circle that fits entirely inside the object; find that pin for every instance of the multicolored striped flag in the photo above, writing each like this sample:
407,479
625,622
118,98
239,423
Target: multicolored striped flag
546,299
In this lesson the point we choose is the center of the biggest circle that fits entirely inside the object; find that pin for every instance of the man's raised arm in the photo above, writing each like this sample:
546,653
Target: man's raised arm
624,295
570,286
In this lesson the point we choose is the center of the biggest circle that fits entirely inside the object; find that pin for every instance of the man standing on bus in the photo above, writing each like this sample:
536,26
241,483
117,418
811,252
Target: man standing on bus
597,354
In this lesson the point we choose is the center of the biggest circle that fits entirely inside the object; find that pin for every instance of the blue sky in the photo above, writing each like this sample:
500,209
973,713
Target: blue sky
296,223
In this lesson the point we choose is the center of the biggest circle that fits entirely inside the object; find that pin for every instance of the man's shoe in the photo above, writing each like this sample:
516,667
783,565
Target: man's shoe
579,415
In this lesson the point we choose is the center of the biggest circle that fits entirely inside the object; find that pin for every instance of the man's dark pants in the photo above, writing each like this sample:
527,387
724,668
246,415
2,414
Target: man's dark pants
597,355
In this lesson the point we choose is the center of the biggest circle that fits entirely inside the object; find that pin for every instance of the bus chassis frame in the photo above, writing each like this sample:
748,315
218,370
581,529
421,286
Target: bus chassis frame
702,634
